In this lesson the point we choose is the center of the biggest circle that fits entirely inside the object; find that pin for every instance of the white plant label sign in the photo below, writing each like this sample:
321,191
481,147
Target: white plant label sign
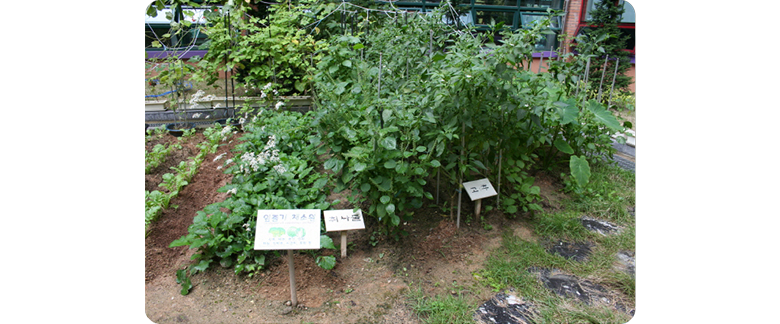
479,189
343,220
288,229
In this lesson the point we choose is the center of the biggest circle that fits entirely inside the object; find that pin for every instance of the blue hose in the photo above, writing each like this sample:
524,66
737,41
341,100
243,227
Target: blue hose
187,84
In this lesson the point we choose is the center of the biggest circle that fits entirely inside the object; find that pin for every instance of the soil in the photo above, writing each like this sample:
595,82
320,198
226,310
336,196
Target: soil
368,286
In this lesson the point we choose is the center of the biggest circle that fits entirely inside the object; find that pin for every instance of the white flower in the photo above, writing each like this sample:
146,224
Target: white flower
196,115
280,168
219,157
267,86
232,191
279,105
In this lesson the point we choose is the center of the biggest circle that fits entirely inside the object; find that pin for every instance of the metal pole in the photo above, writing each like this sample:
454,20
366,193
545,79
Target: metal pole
603,73
611,90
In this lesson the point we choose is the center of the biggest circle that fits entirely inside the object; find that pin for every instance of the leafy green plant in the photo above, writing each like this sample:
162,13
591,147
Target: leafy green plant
273,170
263,49
158,155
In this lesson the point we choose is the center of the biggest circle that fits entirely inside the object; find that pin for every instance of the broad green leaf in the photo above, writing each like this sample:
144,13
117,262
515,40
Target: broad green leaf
365,187
435,163
358,46
326,242
326,262
389,143
390,164
347,63
320,183
390,209
386,114
359,166
395,220
385,199
580,169
603,115
479,164
562,146
202,265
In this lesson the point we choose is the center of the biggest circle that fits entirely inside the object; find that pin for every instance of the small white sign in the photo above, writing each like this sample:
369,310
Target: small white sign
343,220
479,189
288,229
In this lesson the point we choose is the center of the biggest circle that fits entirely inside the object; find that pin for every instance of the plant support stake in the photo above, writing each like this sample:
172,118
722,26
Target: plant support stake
343,244
612,89
603,72
291,266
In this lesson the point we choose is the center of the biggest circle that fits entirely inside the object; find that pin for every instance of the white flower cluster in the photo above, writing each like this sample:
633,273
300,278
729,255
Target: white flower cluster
265,88
198,97
225,132
279,105
252,161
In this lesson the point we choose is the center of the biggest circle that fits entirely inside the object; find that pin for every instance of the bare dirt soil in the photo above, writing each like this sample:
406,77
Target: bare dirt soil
370,285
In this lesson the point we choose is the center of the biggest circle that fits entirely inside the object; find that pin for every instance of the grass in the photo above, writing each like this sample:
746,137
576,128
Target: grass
607,197
443,309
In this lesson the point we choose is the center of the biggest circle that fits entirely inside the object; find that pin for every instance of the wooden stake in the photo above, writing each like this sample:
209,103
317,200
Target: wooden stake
477,207
343,244
293,297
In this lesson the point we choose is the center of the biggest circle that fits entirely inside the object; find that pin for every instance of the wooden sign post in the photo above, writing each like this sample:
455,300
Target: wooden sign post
477,190
343,220
288,229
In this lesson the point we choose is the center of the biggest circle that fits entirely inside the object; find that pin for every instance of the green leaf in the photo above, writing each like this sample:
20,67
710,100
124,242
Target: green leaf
326,242
181,278
603,115
562,146
390,209
389,143
365,187
390,164
358,46
435,163
385,199
580,169
395,220
202,265
359,166
438,57
479,164
326,262
347,63
320,183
